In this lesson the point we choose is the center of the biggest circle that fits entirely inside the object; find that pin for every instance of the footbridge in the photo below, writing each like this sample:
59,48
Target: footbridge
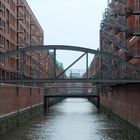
73,95
58,78
63,95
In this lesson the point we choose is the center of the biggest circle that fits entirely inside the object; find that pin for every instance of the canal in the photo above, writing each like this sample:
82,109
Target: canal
72,119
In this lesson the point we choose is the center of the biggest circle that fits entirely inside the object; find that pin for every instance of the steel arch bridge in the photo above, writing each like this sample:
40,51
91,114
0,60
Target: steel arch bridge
20,52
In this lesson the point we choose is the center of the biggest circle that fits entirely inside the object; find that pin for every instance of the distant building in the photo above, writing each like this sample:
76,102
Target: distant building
75,75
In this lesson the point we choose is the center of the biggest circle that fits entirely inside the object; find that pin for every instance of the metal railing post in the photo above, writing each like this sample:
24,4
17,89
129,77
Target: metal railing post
54,70
87,74
21,65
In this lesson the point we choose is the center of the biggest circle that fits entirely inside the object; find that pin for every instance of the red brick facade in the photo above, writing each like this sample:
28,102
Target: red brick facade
13,99
19,28
124,102
119,36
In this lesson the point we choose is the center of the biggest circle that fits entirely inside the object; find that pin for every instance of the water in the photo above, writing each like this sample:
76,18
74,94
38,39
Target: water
72,119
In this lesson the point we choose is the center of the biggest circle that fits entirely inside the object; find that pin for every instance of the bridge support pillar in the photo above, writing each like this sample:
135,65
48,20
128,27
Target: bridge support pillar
98,102
46,104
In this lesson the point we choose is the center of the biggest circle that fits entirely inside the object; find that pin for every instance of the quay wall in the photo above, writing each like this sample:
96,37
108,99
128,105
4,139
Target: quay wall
123,105
19,104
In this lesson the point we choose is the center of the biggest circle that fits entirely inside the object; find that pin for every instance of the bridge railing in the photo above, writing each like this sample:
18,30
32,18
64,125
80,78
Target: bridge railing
75,73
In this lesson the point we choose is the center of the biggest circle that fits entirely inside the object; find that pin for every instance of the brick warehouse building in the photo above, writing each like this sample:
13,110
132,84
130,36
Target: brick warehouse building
119,35
8,39
19,28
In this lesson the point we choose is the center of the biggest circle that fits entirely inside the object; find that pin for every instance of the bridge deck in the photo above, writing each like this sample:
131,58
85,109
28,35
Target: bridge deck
80,80
70,96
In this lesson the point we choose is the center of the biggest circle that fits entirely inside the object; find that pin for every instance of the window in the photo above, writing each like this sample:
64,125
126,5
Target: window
12,34
137,1
27,25
137,24
2,7
12,6
12,20
137,5
7,45
7,21
7,49
0,4
0,24
27,14
20,2
2,41
7,1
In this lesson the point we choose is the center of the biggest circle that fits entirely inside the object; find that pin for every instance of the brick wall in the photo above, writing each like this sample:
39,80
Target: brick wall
106,100
14,98
124,101
8,99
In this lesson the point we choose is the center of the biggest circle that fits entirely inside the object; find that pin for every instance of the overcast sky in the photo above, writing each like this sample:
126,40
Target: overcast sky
70,22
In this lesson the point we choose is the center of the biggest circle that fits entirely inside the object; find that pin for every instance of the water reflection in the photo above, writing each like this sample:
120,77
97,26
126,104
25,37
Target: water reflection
73,119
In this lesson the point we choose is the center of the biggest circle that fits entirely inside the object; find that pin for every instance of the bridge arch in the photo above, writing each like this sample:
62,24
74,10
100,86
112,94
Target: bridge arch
70,48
